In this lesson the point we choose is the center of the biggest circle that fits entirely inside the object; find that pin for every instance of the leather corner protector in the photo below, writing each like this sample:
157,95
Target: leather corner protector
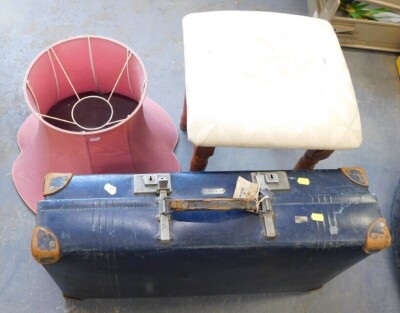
356,175
54,182
45,247
378,237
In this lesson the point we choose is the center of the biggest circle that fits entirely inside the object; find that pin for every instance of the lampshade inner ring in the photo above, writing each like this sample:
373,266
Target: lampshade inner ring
81,102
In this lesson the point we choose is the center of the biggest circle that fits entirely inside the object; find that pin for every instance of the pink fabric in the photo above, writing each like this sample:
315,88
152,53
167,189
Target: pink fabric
143,142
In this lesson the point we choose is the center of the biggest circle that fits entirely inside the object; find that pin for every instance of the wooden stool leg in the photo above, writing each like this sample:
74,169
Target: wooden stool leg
311,158
183,124
200,154
200,158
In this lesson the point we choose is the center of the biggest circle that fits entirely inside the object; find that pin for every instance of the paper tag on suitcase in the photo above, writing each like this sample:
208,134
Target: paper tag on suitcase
246,189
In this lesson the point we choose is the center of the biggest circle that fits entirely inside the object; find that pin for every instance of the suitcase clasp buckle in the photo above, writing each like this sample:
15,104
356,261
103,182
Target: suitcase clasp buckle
160,184
269,181
267,214
163,190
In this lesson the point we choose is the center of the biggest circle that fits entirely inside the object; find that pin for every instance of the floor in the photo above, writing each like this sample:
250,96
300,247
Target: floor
153,30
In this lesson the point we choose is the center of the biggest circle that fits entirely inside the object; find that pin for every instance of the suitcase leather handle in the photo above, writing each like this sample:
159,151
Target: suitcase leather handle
220,204
167,204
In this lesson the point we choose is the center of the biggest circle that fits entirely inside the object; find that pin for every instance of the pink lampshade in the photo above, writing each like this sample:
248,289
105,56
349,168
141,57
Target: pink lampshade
90,115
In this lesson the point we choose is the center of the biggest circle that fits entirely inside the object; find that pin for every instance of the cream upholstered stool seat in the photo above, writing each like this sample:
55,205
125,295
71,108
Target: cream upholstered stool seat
262,79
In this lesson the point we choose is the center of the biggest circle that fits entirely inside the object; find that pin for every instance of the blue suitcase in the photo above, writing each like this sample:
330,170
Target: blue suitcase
179,234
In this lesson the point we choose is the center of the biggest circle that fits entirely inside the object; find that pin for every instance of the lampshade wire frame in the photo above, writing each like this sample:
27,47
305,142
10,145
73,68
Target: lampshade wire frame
128,77
28,85
92,128
109,122
56,118
55,74
120,74
92,64
74,123
65,73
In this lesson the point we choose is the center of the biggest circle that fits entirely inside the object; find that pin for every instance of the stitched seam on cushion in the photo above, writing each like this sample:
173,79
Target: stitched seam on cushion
349,130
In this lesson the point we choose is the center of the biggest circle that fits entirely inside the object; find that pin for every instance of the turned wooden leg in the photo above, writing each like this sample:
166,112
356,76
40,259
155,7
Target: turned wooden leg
200,158
311,158
183,124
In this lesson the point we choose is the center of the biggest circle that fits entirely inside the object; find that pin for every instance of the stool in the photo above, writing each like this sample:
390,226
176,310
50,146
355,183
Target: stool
262,79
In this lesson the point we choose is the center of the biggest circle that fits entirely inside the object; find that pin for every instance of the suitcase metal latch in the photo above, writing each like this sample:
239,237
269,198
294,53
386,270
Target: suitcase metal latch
267,214
269,181
163,189
158,183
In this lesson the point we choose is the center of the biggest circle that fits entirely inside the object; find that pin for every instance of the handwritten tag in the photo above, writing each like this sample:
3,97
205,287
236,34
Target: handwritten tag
245,189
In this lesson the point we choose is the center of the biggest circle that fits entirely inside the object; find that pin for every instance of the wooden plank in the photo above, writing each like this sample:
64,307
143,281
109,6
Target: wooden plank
389,4
328,11
313,7
367,34
323,9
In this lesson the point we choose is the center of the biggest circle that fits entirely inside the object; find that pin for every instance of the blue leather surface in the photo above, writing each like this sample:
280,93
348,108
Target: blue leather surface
110,249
